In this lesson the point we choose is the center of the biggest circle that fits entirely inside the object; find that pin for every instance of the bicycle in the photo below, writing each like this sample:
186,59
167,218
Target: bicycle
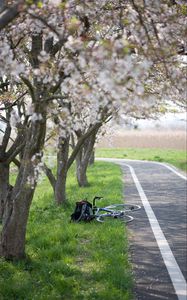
116,211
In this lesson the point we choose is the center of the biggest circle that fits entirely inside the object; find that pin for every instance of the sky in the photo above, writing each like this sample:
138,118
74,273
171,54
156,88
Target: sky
169,121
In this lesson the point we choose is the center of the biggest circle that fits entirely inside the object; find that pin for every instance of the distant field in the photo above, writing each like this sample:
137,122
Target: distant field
163,139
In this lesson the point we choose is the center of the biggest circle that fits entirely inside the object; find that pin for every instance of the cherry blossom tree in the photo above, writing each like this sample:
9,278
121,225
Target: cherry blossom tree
99,52
65,119
90,119
22,60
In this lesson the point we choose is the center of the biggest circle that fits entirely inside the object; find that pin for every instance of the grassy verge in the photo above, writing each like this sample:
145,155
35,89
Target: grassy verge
72,261
177,158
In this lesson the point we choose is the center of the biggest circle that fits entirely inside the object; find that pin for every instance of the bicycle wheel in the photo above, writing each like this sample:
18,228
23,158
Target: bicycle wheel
126,218
115,215
124,207
102,215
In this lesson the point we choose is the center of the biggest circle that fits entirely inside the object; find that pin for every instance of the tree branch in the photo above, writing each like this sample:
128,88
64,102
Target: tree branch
52,28
48,45
4,119
14,152
4,133
58,46
50,175
81,141
11,13
57,86
30,87
17,162
7,133
14,103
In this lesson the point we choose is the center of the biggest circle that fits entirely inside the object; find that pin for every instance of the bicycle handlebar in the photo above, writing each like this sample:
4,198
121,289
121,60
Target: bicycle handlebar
96,198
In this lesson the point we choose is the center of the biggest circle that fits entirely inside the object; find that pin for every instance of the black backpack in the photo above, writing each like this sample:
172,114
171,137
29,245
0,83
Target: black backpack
83,212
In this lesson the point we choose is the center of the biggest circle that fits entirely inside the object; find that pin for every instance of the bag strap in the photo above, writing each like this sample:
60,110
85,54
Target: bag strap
82,212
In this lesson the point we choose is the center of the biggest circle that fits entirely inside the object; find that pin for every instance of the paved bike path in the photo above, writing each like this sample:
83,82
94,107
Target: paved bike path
158,244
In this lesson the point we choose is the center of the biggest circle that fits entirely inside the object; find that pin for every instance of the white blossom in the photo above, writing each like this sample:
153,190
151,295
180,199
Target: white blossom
15,118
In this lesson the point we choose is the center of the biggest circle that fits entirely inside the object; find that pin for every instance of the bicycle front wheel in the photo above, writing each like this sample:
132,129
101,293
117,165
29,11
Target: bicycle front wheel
115,215
124,207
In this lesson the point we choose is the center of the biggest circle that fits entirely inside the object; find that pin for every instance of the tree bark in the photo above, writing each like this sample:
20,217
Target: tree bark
92,157
83,159
12,244
81,172
62,169
4,186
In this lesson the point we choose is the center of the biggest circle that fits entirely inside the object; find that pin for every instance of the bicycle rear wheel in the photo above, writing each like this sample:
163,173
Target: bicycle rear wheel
124,207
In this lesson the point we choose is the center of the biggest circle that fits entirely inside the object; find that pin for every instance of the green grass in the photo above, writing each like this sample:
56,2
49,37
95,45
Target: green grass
177,158
71,261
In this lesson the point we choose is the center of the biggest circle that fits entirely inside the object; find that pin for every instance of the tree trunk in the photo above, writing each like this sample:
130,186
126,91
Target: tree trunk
58,183
92,157
81,173
60,188
62,169
12,245
4,186
12,242
83,159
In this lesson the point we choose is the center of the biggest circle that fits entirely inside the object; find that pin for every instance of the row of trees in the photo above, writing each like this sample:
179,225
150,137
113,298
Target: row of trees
66,68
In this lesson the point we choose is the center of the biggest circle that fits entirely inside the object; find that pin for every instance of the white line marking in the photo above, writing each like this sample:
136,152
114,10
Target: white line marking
174,171
174,271
122,160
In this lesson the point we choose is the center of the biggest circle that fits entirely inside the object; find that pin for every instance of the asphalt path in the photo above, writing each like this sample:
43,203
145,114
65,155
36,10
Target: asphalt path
158,233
